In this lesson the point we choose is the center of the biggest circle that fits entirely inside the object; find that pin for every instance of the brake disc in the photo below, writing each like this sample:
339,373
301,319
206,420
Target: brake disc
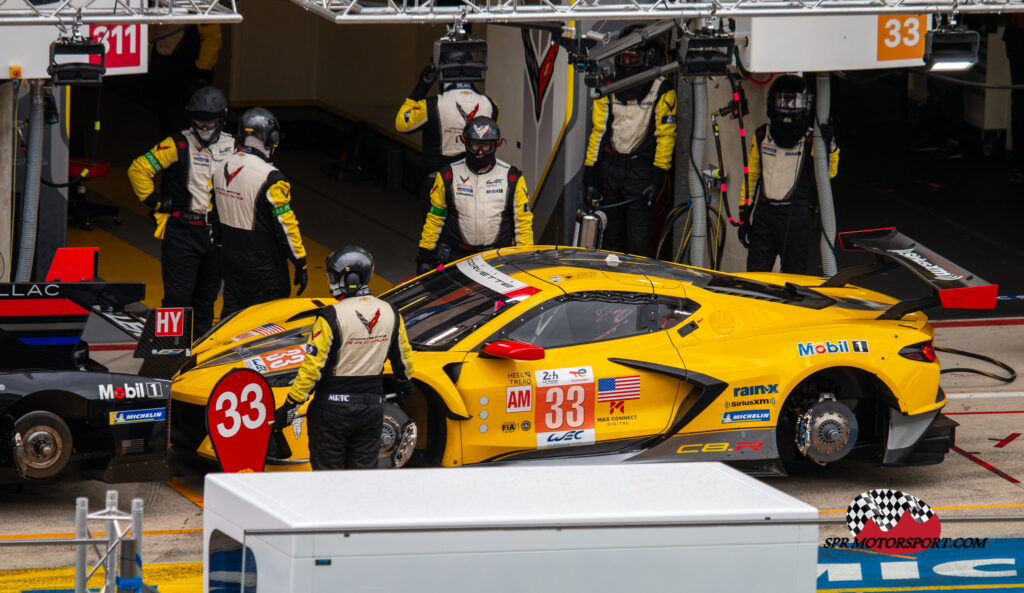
826,432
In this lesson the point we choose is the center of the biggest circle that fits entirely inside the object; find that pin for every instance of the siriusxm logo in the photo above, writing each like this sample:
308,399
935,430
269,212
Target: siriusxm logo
829,347
747,416
755,390
134,416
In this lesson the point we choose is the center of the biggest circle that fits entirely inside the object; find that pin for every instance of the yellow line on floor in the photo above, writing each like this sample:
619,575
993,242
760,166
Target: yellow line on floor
183,489
176,577
122,262
927,588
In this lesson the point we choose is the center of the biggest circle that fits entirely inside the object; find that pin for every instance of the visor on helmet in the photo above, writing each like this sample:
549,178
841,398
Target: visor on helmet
481,146
790,100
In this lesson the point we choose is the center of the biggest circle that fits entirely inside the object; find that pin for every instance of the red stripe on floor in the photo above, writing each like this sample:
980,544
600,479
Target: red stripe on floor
965,413
987,466
111,347
977,322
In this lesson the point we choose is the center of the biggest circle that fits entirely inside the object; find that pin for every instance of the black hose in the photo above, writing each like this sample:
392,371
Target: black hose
1008,379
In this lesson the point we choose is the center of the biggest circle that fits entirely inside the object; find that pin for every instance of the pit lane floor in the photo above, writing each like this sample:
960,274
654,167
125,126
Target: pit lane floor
983,477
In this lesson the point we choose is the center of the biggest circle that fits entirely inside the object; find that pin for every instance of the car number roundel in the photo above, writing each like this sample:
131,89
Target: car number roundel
564,407
239,417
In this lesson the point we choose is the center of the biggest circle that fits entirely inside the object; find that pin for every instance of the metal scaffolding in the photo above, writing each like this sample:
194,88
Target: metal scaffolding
115,12
428,11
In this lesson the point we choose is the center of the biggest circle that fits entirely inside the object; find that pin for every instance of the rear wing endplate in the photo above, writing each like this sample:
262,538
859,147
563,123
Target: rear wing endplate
953,286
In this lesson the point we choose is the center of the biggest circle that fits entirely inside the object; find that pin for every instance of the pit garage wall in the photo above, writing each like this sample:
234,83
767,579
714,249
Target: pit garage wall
282,55
543,119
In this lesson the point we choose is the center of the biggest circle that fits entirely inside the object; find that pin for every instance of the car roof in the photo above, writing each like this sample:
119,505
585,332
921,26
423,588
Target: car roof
528,260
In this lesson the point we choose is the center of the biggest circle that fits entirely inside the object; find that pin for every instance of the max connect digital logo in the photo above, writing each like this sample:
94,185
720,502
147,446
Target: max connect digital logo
892,522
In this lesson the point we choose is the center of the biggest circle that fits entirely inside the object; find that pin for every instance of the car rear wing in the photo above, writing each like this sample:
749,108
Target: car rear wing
953,286
41,323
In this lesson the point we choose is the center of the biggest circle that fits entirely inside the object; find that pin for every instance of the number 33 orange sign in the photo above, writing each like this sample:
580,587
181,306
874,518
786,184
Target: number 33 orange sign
901,36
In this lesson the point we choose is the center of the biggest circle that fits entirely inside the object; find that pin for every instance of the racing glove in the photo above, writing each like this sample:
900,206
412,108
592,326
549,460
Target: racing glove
427,76
153,201
201,77
403,389
743,233
301,275
426,260
285,415
589,176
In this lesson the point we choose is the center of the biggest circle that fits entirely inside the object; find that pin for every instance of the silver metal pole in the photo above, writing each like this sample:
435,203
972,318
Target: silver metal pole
33,172
81,552
698,208
821,170
110,566
128,569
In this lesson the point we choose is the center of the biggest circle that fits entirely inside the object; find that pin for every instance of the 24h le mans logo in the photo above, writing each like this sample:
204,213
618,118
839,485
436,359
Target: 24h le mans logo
892,522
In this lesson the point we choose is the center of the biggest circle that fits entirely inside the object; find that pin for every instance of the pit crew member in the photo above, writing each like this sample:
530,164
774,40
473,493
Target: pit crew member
345,355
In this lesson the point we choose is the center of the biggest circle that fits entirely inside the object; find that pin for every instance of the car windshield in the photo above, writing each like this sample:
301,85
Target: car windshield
441,308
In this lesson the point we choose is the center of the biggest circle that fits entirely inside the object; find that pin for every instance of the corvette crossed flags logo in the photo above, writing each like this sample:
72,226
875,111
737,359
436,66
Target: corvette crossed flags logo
369,324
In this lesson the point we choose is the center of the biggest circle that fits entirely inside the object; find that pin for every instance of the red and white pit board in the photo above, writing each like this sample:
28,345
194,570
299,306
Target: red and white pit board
29,47
239,418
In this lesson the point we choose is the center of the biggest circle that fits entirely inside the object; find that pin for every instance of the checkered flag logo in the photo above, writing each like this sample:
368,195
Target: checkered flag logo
885,507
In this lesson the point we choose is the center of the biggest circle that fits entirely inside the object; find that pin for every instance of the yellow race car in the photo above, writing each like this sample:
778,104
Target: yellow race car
549,354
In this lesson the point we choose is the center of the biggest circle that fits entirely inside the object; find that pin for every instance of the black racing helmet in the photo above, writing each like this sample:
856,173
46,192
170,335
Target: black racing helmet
638,58
207,109
348,269
261,124
789,101
482,137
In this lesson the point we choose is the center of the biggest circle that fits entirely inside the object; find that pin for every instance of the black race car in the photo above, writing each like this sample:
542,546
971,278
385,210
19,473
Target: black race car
61,410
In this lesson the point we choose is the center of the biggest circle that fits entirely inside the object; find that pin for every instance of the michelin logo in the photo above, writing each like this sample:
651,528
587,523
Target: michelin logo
135,416
747,416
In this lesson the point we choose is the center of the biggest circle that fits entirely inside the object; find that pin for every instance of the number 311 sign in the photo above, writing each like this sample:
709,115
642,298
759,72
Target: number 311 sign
239,418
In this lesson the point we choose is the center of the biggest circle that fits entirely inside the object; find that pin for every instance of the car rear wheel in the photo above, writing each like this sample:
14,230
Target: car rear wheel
42,444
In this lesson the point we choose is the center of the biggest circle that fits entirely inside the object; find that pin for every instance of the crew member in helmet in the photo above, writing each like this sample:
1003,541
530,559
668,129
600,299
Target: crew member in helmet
345,355
182,207
258,231
777,221
442,118
630,150
476,203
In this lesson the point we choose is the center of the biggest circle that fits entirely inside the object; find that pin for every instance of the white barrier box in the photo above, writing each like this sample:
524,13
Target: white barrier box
515,529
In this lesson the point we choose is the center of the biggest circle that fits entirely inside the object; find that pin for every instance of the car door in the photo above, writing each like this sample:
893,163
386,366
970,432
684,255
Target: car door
575,396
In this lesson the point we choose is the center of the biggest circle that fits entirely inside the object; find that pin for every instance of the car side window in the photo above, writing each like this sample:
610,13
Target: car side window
587,317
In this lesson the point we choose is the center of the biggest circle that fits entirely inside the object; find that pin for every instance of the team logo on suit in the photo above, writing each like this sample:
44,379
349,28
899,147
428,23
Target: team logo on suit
372,322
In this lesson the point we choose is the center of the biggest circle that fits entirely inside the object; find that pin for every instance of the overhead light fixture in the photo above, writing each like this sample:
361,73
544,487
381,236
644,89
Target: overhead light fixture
76,60
706,53
951,47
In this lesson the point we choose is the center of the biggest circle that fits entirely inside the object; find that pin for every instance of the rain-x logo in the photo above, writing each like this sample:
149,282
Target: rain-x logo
891,522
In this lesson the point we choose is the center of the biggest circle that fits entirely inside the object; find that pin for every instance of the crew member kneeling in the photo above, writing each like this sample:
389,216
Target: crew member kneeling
344,362
476,204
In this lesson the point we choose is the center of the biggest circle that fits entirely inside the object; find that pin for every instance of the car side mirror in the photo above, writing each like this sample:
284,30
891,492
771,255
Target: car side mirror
513,350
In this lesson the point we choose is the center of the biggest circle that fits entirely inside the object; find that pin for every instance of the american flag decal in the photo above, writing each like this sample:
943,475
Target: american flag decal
618,388
263,330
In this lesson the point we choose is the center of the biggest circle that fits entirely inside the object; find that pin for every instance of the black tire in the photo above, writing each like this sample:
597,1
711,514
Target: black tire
45,444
